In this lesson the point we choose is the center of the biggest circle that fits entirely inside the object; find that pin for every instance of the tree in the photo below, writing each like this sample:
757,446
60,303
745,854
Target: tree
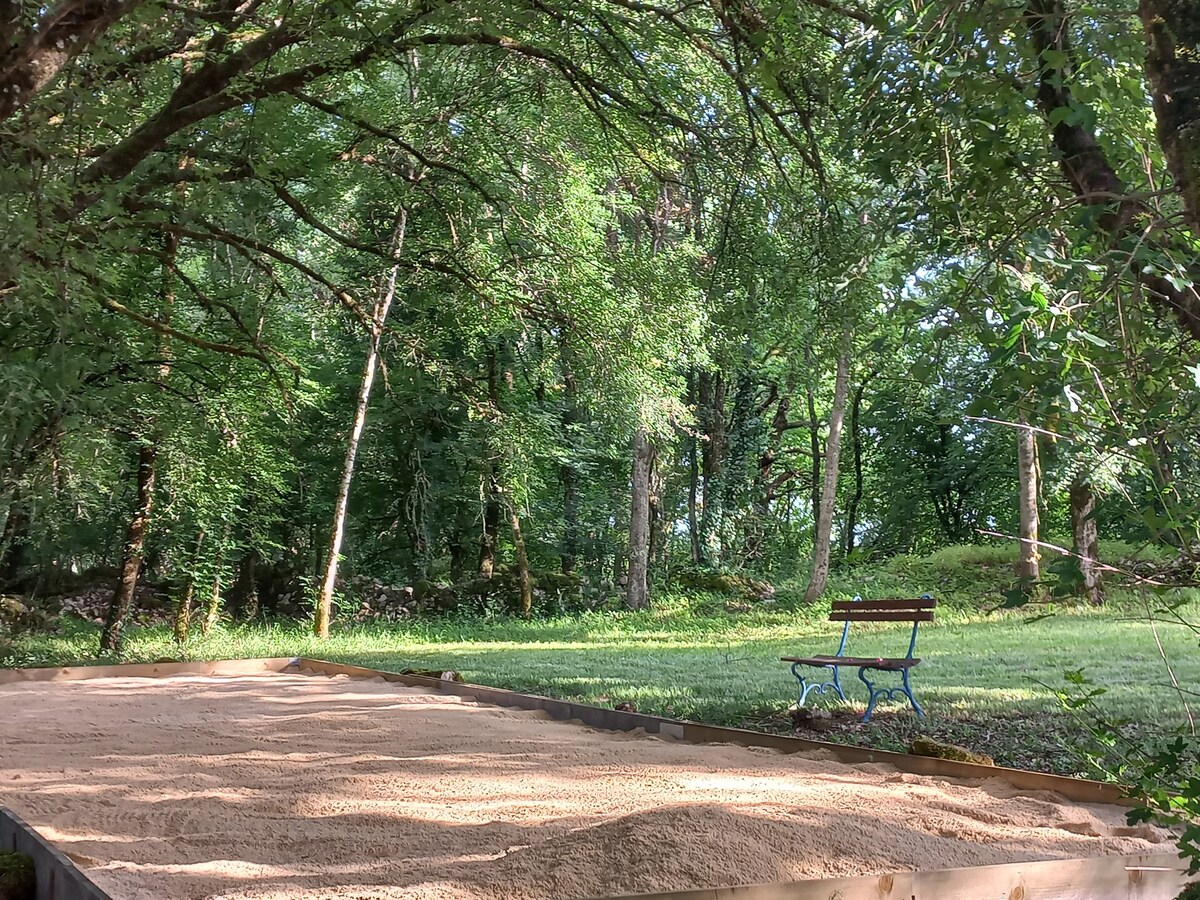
1028,480
637,594
833,445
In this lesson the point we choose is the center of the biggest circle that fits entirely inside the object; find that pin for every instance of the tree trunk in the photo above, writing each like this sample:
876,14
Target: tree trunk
387,292
693,477
638,589
1028,568
458,558
569,472
112,638
1086,540
183,604
712,464
489,541
814,439
243,596
13,540
660,522
523,579
212,610
856,444
833,446
1173,70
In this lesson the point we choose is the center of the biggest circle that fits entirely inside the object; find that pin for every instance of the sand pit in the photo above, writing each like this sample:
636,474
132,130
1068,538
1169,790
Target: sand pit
287,786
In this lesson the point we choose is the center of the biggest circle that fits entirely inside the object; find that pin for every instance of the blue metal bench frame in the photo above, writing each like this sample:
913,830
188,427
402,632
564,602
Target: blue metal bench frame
839,660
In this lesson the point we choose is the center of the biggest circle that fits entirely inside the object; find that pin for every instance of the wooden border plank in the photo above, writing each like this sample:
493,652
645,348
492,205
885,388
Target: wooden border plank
1077,789
1142,877
57,877
150,670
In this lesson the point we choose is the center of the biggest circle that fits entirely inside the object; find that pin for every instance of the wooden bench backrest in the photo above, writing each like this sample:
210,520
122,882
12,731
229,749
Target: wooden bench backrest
920,610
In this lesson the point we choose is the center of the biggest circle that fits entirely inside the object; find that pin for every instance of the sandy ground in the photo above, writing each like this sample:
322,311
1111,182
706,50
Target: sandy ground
294,786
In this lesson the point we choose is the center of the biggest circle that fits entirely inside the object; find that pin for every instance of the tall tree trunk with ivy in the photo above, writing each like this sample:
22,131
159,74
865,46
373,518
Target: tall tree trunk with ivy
212,606
828,502
112,637
524,580
182,622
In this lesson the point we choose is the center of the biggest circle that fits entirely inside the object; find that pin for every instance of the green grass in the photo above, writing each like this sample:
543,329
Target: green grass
988,679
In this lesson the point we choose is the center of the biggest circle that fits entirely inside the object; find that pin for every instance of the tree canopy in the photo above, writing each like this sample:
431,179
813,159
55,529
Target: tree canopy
578,296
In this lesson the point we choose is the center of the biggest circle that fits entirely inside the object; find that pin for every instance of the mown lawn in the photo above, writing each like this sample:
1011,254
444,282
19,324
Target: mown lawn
989,680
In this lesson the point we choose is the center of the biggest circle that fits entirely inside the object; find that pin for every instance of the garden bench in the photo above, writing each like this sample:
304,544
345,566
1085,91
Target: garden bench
859,610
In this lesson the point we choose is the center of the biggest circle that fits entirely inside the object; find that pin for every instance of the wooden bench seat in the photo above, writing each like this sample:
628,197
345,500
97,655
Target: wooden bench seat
856,661
859,610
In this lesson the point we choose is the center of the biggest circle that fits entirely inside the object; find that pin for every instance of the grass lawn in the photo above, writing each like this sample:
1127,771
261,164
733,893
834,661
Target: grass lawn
988,680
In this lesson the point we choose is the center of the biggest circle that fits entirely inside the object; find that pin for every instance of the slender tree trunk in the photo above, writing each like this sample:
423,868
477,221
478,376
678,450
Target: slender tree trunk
458,558
637,594
489,541
856,443
814,439
523,580
112,638
660,525
212,609
693,477
828,503
1028,568
1086,540
568,472
243,595
712,465
183,604
387,293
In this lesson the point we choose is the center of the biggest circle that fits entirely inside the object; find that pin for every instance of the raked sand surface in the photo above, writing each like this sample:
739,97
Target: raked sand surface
289,786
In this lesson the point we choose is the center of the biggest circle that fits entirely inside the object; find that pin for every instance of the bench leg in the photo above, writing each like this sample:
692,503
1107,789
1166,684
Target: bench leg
876,692
807,687
911,699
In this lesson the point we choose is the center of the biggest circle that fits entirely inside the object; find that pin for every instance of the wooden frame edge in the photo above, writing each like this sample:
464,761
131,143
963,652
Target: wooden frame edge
1139,877
57,878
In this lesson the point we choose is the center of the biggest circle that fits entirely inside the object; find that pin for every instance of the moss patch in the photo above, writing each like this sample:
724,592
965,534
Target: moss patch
17,876
927,746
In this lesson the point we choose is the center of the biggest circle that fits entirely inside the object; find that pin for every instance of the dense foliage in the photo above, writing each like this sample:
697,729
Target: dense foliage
648,289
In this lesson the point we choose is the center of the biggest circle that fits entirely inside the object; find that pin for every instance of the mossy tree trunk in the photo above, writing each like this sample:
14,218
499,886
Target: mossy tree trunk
183,605
112,637
524,582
